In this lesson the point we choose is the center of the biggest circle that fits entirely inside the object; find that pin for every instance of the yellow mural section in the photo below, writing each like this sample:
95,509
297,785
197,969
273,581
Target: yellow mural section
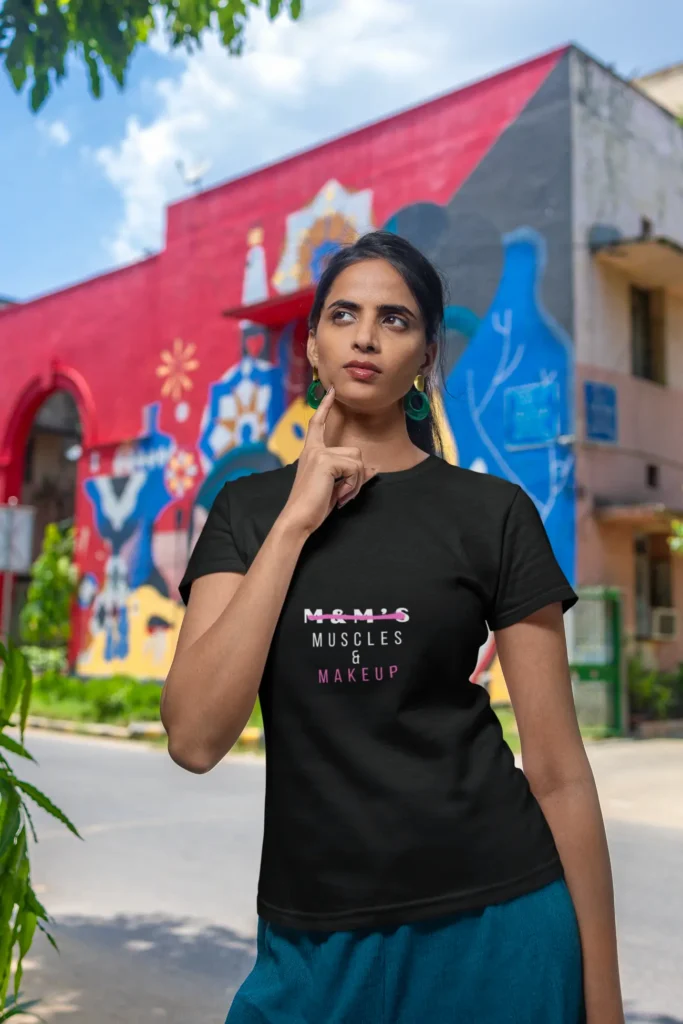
498,691
287,439
151,649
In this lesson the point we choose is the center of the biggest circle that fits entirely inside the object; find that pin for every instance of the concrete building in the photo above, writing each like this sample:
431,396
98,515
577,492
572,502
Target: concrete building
628,337
550,197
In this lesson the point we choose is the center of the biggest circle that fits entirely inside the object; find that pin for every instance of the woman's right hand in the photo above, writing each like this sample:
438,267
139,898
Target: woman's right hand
325,477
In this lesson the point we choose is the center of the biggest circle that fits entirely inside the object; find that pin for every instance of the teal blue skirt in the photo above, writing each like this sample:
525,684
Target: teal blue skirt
511,963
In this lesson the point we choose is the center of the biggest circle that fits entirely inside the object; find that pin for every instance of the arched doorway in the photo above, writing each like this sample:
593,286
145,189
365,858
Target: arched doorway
51,425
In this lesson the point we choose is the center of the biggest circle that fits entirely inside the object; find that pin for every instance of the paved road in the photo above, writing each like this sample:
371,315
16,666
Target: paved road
156,913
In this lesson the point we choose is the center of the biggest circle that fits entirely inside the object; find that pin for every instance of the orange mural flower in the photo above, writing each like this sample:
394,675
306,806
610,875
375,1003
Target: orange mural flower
176,366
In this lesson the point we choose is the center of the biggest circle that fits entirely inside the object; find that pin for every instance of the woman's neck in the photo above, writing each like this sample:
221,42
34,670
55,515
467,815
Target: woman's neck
382,438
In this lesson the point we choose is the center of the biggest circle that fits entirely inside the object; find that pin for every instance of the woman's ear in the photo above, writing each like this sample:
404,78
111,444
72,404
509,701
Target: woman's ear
430,358
312,349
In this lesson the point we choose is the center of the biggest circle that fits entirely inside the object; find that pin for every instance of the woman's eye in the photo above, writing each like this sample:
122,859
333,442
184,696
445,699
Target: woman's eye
394,320
341,313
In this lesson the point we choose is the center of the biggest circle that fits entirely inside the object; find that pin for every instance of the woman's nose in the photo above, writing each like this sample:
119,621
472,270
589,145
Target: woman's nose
366,338
366,345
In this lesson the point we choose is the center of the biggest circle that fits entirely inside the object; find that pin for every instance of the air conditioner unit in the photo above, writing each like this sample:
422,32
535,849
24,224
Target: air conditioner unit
664,624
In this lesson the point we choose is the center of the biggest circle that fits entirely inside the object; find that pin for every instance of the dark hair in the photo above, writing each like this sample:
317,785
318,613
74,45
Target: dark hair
427,287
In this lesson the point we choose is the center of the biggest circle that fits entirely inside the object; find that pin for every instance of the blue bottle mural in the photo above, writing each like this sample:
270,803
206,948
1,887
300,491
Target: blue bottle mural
509,396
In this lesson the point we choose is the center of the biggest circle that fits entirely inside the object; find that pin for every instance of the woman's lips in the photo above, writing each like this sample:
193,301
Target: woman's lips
361,372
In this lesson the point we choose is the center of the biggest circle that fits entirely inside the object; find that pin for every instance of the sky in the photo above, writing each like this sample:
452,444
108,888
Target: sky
85,182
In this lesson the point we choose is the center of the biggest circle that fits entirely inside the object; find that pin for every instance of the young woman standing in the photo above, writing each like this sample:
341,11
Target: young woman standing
410,872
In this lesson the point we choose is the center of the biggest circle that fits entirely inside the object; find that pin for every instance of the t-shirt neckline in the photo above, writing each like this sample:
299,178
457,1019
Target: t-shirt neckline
397,476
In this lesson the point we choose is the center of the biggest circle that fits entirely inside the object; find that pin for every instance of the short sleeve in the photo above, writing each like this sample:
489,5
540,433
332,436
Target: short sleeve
529,576
215,550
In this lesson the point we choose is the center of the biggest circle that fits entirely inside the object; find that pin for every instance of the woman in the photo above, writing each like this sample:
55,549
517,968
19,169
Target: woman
410,872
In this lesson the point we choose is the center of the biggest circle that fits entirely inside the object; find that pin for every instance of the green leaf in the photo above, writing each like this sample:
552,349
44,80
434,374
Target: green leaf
47,805
20,1009
274,8
25,705
14,676
12,889
49,937
295,8
15,748
18,75
24,807
10,823
26,928
94,75
40,91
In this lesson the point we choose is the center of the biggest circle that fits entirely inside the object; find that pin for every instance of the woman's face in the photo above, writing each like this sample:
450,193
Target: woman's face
370,341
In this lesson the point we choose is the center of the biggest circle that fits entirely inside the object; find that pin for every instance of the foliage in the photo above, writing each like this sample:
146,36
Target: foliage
45,659
46,616
676,538
37,39
20,910
119,700
654,694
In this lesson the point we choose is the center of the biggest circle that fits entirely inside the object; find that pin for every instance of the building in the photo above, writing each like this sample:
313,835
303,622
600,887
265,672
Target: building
666,87
549,195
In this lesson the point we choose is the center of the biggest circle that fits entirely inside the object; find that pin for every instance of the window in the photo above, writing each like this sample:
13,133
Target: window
652,476
29,459
653,580
647,334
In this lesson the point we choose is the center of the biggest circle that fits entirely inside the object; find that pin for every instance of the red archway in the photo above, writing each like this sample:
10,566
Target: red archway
58,378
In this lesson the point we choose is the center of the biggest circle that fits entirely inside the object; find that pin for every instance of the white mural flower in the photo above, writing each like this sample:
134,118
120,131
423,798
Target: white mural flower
336,217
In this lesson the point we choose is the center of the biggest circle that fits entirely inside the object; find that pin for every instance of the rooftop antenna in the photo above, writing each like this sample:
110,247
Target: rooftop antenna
193,174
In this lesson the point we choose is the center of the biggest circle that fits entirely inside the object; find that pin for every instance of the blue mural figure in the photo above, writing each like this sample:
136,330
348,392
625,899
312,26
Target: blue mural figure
126,505
508,398
154,449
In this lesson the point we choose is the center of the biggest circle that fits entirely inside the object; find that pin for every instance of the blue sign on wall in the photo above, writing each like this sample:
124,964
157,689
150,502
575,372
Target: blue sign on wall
601,403
532,415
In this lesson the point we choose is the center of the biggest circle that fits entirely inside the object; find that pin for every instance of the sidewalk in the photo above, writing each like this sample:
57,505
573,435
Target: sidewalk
640,781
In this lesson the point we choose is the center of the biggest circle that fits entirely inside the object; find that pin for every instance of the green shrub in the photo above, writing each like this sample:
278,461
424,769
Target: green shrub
119,700
44,659
652,694
45,619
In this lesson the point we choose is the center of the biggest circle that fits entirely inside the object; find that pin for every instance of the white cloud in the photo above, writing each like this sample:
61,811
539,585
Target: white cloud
56,131
346,62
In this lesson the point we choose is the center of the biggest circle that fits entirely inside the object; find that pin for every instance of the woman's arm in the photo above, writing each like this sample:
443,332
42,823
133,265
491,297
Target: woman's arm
222,648
224,641
533,657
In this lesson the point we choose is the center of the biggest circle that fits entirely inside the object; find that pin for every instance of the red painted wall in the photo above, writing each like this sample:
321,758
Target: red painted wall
104,339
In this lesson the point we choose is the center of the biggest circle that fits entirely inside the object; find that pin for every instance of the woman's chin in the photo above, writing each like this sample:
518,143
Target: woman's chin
361,398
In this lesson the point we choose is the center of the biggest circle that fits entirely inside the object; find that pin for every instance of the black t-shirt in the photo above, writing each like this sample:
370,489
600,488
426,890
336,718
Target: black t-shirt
391,795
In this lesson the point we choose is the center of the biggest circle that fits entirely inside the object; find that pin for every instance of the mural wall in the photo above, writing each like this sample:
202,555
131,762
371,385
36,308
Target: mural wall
494,214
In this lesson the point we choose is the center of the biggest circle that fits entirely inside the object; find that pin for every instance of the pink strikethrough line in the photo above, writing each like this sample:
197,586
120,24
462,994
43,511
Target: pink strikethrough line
357,618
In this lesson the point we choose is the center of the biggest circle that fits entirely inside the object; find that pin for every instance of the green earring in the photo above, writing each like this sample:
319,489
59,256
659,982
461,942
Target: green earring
316,391
416,402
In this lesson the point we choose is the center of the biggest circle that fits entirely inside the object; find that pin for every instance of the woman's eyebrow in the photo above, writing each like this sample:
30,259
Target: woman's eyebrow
346,304
384,308
392,307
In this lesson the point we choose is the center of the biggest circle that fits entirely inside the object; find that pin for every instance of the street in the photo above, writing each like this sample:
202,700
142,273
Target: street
155,910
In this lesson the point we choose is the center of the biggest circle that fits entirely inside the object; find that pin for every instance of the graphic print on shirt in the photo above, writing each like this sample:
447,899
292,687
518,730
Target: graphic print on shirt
347,640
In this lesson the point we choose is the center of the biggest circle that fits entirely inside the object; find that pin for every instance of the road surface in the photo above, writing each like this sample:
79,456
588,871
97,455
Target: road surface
155,910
